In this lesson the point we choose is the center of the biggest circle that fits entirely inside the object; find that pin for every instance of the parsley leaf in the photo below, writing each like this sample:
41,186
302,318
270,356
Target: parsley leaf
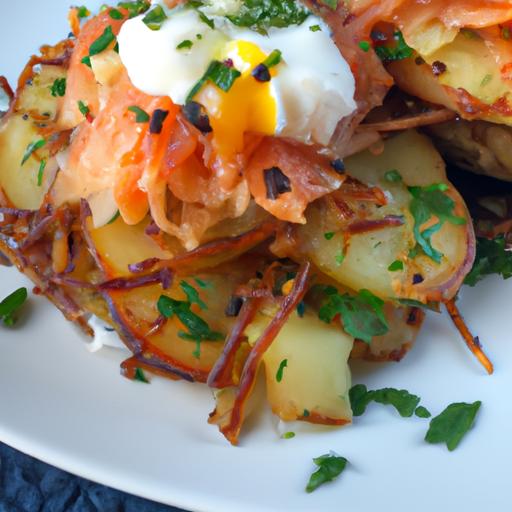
396,266
260,15
198,329
103,42
452,424
31,148
403,401
11,304
192,295
492,257
186,44
140,376
399,51
220,74
422,412
141,116
155,18
40,173
135,8
330,466
362,315
280,370
428,202
58,87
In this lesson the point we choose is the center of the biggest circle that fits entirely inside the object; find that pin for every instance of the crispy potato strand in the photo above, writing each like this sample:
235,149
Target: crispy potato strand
470,340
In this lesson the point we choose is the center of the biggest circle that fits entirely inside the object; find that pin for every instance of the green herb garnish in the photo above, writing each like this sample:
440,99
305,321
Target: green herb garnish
400,50
330,466
428,202
452,424
222,75
260,15
362,314
403,401
135,8
364,45
83,12
31,148
329,235
11,304
40,172
115,14
333,4
185,45
114,218
422,412
288,435
58,87
198,329
103,42
315,28
84,109
273,59
140,376
155,18
393,176
192,295
492,257
141,116
396,266
280,370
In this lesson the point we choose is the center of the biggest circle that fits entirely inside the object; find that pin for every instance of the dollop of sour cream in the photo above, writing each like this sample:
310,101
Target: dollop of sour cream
312,88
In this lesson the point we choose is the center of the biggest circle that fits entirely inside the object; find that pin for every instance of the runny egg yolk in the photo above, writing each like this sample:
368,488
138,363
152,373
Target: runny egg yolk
249,106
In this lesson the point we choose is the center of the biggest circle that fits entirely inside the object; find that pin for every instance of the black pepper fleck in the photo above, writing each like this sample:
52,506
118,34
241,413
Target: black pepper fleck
276,182
417,279
197,116
157,121
261,73
234,306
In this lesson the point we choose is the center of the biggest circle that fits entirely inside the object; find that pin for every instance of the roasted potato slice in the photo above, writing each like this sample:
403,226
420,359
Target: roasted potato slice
364,259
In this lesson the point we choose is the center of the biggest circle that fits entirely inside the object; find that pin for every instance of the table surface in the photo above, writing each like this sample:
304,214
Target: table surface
29,485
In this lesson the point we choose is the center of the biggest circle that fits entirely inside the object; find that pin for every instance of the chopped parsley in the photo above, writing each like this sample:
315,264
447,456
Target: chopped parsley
206,20
58,87
339,258
329,235
140,376
155,18
404,402
220,74
362,314
330,466
315,28
141,116
260,15
100,45
84,109
422,412
399,51
288,435
273,59
393,176
198,329
40,172
364,45
186,44
492,257
396,266
115,14
31,148
10,305
135,8
452,424
280,370
485,80
82,12
428,202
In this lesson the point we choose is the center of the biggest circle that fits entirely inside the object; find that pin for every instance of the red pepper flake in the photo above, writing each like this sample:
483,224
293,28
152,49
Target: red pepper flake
438,67
277,182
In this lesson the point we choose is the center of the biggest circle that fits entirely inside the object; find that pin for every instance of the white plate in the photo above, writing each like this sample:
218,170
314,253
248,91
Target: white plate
72,409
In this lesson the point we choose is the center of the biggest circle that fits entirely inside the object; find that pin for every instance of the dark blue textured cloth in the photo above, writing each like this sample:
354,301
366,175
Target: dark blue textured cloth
28,485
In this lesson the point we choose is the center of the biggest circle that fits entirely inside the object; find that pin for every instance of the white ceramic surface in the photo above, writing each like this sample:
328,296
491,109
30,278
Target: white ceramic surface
72,409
